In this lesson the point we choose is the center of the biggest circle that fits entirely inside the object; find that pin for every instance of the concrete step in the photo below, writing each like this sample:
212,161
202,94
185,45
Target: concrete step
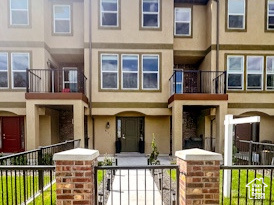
130,154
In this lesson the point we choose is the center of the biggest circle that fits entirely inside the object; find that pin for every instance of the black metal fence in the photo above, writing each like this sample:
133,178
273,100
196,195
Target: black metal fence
246,184
197,81
151,185
253,153
20,185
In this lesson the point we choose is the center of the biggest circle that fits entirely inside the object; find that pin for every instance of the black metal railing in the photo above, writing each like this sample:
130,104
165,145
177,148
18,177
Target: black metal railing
56,81
197,81
246,184
41,156
253,153
154,185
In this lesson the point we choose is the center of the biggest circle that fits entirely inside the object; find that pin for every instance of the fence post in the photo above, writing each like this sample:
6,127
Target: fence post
199,176
75,182
250,153
40,172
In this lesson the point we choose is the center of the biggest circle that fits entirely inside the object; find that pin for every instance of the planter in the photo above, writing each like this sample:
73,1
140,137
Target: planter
118,145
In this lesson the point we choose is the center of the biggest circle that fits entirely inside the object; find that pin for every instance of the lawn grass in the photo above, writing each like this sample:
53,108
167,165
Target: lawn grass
172,174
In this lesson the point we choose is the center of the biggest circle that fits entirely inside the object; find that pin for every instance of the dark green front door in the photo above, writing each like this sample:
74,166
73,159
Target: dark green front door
130,134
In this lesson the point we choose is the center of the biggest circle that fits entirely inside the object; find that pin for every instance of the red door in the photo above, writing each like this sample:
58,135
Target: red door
11,136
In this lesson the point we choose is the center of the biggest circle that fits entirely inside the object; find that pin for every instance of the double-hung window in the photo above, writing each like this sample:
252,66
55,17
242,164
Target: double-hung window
70,79
150,13
109,13
109,71
255,65
270,72
150,65
61,19
4,70
270,15
235,72
236,14
182,22
130,72
19,12
19,63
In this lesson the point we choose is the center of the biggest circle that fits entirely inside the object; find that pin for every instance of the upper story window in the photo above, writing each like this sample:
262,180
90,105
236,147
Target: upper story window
19,12
270,73
182,22
109,71
270,15
150,72
61,19
70,79
235,72
236,14
109,13
130,71
254,72
150,13
19,64
4,70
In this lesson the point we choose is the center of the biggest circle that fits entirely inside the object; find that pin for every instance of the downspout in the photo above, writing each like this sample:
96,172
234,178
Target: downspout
217,35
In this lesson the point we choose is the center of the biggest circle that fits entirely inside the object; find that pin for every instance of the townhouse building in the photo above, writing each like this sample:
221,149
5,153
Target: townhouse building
115,73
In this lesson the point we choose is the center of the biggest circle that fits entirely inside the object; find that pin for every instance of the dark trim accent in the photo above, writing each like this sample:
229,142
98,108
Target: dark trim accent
128,105
12,104
56,96
194,2
99,45
200,96
251,105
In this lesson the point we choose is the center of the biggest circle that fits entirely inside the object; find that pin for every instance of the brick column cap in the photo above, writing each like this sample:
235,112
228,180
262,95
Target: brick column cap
78,154
198,155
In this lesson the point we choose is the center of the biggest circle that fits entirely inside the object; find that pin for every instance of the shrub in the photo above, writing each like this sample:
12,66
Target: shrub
154,153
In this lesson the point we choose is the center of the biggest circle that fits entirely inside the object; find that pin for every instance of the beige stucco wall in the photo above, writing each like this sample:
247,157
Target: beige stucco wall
44,130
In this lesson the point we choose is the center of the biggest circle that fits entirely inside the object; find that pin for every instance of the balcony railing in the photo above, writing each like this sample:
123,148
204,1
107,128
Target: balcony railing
56,81
196,81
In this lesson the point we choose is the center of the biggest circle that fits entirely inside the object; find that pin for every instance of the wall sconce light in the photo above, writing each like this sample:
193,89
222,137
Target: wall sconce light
107,125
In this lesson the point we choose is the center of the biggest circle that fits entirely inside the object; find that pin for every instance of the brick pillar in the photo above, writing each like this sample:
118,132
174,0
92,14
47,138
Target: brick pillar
199,177
75,176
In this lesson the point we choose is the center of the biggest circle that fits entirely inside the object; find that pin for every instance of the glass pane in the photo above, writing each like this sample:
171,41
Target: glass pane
20,61
109,80
150,20
130,80
3,79
179,76
3,61
150,81
236,21
150,6
62,26
109,5
19,79
179,88
119,128
270,64
19,4
271,20
62,12
19,18
109,19
255,64
130,63
236,6
182,15
270,81
271,8
150,63
70,76
234,81
109,63
235,63
182,29
254,81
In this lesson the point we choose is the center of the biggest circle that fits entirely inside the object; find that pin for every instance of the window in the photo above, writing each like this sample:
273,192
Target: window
150,13
235,70
109,71
3,70
270,15
182,22
236,14
270,73
62,19
150,72
179,82
109,13
254,73
19,64
19,12
130,71
70,79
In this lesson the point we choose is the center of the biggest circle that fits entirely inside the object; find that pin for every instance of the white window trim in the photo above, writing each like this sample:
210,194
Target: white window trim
189,22
252,72
268,15
143,72
235,72
19,10
117,72
110,12
19,71
69,81
138,69
269,73
7,71
147,12
236,14
65,19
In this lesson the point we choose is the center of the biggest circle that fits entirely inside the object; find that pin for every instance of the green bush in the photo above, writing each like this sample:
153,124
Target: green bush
153,158
20,160
47,159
